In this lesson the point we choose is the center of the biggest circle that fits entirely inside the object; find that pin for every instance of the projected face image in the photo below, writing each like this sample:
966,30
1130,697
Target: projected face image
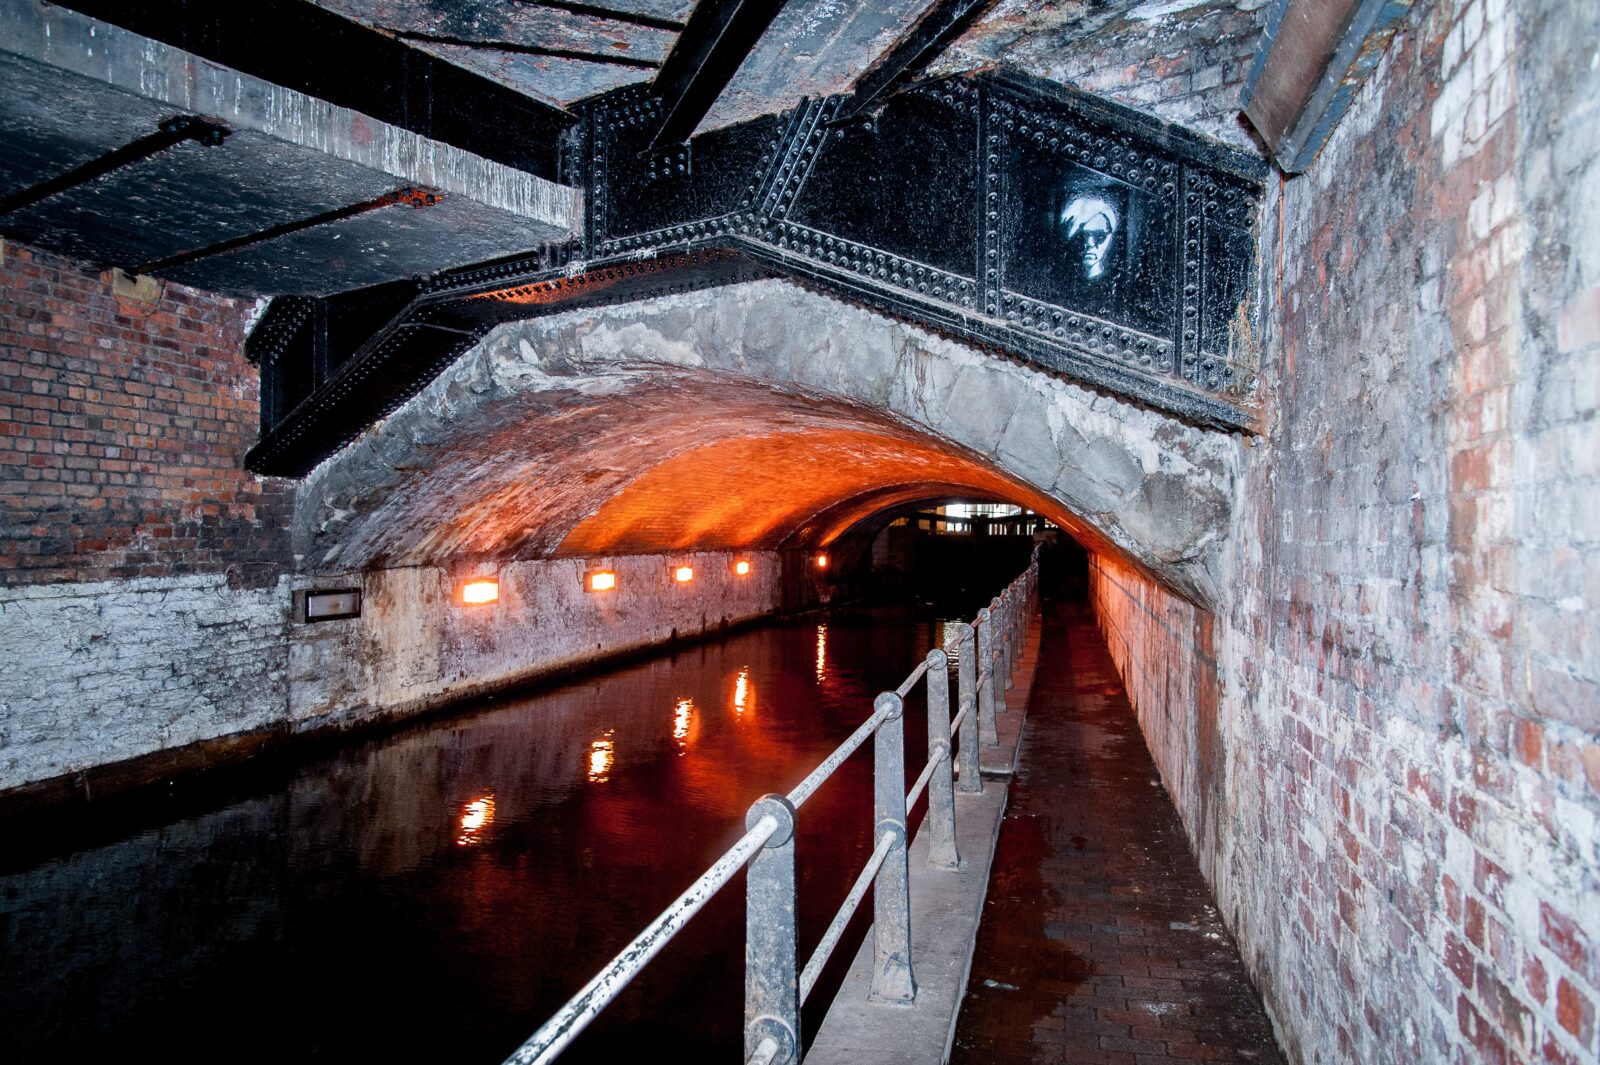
1092,221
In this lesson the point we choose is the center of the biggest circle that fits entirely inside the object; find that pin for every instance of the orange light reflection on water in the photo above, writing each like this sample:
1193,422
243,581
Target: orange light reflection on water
682,715
742,696
476,816
601,754
822,652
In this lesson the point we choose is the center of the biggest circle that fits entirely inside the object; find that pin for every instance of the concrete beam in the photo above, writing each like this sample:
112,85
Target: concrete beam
87,88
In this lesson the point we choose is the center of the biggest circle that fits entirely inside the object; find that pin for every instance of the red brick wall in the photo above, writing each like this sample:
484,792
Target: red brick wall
123,426
1401,817
1164,647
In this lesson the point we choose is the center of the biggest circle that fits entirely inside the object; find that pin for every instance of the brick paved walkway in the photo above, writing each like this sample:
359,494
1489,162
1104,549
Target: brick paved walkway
1100,941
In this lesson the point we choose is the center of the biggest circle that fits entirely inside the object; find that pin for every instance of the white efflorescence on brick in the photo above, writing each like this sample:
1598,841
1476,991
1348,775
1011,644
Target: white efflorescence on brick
98,672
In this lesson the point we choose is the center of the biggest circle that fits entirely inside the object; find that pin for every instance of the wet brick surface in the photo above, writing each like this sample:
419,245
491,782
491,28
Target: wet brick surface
1100,941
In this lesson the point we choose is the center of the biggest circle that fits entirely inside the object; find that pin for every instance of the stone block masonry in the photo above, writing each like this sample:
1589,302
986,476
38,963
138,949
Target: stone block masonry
1396,791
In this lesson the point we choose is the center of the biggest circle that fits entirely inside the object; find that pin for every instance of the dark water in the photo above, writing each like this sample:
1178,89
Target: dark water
433,895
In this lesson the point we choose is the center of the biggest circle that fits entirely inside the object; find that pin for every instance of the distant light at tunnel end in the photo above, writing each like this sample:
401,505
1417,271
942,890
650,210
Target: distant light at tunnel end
601,580
683,574
480,591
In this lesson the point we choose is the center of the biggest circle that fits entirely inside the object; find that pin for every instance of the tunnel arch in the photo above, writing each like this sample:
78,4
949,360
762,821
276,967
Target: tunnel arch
738,417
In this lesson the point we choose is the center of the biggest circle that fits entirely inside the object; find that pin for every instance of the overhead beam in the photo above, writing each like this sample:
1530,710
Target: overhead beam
414,197
718,37
298,45
941,23
1313,58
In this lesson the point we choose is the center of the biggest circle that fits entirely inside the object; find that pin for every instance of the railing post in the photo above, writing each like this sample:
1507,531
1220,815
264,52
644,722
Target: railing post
1018,616
1009,647
942,852
967,699
987,733
771,940
892,980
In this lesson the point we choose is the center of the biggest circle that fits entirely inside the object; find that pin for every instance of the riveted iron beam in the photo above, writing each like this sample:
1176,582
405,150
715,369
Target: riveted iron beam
713,44
941,23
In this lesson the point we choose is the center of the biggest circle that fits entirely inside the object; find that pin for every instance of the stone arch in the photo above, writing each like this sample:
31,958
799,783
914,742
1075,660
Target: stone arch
731,417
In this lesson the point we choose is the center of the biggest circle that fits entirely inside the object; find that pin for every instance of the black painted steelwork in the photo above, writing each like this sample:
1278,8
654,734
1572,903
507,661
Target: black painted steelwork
412,333
171,133
413,197
933,32
311,50
705,57
1034,221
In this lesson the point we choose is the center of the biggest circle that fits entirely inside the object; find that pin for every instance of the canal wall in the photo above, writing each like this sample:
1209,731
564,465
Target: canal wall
110,684
414,649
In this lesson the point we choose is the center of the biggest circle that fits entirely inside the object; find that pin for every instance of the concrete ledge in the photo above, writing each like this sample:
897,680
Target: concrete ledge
945,910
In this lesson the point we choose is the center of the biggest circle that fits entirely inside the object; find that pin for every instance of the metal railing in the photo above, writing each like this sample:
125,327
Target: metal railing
776,986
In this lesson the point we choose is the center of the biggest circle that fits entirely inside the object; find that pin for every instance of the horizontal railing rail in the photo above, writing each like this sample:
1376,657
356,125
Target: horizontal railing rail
986,653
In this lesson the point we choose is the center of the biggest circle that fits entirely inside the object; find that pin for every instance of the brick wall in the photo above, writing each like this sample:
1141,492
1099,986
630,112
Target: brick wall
1403,823
123,425
1164,647
1184,62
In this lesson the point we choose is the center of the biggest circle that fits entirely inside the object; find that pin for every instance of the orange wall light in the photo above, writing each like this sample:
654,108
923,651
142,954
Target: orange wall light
600,580
822,560
741,568
479,591
683,574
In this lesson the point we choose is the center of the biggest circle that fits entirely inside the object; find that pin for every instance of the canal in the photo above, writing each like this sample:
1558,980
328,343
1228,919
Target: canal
434,893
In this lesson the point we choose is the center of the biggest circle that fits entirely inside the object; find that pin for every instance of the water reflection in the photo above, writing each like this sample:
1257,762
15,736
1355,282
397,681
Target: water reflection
457,881
476,816
682,717
601,754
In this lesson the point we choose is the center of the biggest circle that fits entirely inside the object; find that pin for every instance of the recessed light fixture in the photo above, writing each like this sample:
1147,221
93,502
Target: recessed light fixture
480,591
600,580
742,567
332,604
683,574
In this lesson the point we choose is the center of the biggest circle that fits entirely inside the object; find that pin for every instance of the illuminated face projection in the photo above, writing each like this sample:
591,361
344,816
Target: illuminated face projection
1092,222
1082,240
